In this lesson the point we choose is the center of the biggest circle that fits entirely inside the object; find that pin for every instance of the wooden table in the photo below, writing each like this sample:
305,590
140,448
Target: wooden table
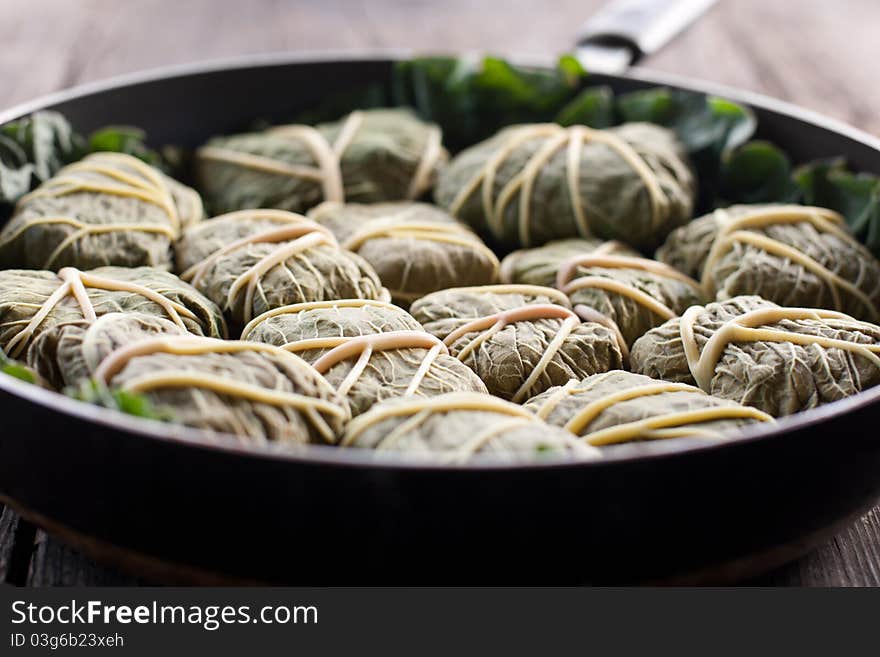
815,53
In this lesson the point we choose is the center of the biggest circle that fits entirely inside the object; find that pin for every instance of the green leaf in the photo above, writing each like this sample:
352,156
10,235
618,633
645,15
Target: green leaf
32,149
856,196
47,141
124,401
124,139
756,172
473,98
649,105
16,370
593,107
15,182
703,123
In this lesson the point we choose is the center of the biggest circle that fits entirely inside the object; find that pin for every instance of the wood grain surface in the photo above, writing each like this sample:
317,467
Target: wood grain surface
815,53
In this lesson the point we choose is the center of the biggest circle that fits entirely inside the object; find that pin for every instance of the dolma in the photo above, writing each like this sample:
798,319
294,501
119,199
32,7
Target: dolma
619,407
530,184
36,302
789,254
415,248
780,360
519,339
252,261
255,391
459,427
366,157
368,350
106,209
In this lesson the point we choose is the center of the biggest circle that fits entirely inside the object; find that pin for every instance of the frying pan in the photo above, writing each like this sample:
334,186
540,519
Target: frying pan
177,504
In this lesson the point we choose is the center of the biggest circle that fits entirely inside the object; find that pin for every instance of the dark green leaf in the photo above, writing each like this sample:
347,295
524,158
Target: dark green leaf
15,182
757,172
32,149
16,370
593,107
124,139
856,196
472,98
130,403
703,123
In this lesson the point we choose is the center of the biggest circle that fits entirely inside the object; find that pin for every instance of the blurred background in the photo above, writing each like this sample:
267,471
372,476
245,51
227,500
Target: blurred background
816,53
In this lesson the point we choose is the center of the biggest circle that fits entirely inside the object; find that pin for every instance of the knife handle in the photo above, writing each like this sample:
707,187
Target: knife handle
642,26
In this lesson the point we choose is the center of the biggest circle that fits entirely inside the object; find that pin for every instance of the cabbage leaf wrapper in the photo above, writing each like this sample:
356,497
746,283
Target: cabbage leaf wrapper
459,427
415,248
790,254
252,390
34,303
777,359
519,339
368,350
616,408
530,184
252,261
366,157
106,209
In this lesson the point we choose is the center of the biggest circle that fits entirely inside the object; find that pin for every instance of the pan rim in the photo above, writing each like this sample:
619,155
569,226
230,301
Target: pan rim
355,458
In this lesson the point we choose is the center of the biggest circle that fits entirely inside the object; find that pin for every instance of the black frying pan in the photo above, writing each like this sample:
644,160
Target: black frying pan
178,504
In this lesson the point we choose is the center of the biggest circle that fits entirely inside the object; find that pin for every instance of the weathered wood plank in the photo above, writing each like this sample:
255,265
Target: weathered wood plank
852,558
16,547
56,564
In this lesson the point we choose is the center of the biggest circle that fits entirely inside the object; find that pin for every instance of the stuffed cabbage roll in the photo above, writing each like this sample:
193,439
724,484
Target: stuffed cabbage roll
252,261
106,209
252,390
616,408
415,248
789,254
366,157
777,359
519,339
530,184
37,306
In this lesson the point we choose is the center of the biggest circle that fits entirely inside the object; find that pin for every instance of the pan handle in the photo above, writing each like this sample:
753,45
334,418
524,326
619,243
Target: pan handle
624,31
